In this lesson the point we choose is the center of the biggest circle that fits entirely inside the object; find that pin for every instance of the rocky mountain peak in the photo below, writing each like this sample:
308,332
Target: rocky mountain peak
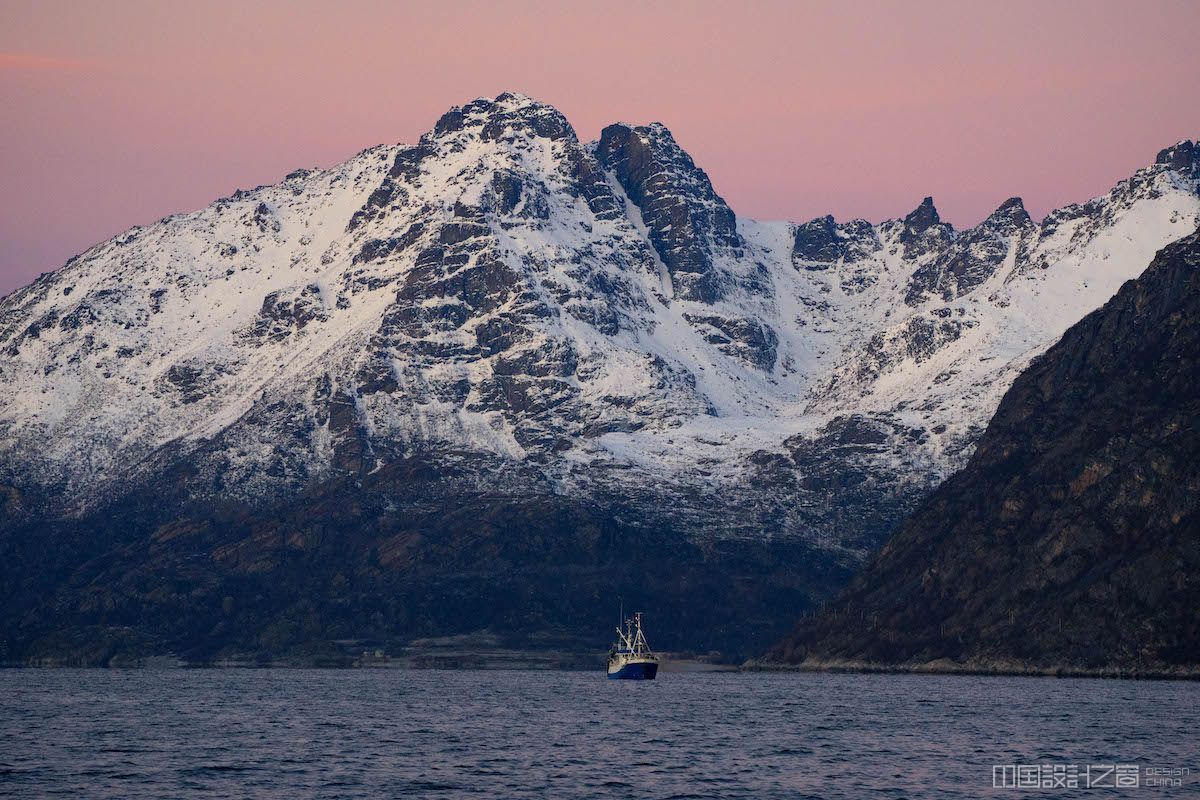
688,222
963,262
1010,216
923,233
817,241
921,218
1183,157
820,243
506,115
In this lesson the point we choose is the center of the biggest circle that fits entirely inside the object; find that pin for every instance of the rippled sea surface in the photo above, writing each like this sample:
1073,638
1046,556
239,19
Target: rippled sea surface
434,734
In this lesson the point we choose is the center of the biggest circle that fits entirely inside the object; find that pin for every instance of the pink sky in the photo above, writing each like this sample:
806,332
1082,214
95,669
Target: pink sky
116,114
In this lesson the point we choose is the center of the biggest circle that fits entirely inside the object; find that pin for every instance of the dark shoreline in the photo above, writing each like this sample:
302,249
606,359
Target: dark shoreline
951,668
680,666
524,661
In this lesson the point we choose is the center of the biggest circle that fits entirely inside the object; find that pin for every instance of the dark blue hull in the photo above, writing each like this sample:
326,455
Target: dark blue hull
635,672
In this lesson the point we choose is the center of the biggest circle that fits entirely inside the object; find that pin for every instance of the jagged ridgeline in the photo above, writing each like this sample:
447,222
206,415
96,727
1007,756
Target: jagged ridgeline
1071,540
492,379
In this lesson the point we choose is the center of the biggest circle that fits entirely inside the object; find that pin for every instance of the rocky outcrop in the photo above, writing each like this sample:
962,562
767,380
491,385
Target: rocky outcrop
287,312
822,242
974,256
745,339
922,232
1182,158
1071,540
686,220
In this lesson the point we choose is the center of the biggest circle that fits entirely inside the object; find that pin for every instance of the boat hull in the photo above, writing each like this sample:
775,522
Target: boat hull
634,671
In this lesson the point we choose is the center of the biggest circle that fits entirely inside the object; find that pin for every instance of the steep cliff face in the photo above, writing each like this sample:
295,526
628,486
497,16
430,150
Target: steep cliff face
500,315
1072,537
684,218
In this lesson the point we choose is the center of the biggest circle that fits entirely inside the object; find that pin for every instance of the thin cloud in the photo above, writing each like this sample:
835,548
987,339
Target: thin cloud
32,62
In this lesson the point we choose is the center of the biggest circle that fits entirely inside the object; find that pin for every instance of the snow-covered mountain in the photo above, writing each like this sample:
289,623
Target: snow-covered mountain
1078,512
523,314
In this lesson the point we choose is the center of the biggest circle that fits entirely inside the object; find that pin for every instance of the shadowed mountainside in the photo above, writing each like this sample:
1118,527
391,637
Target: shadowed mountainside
1072,538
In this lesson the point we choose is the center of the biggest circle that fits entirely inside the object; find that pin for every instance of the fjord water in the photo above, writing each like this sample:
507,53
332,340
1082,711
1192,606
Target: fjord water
434,734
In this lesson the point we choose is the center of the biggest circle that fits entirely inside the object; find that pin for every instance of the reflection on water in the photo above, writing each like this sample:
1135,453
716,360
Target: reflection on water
391,733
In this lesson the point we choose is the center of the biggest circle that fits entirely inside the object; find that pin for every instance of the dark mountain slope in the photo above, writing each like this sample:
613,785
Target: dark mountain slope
1072,538
377,561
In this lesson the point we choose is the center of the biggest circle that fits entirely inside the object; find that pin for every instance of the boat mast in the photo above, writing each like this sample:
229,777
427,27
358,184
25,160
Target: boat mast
624,633
639,644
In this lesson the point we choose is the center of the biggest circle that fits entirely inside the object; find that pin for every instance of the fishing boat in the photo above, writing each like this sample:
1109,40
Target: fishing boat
631,657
